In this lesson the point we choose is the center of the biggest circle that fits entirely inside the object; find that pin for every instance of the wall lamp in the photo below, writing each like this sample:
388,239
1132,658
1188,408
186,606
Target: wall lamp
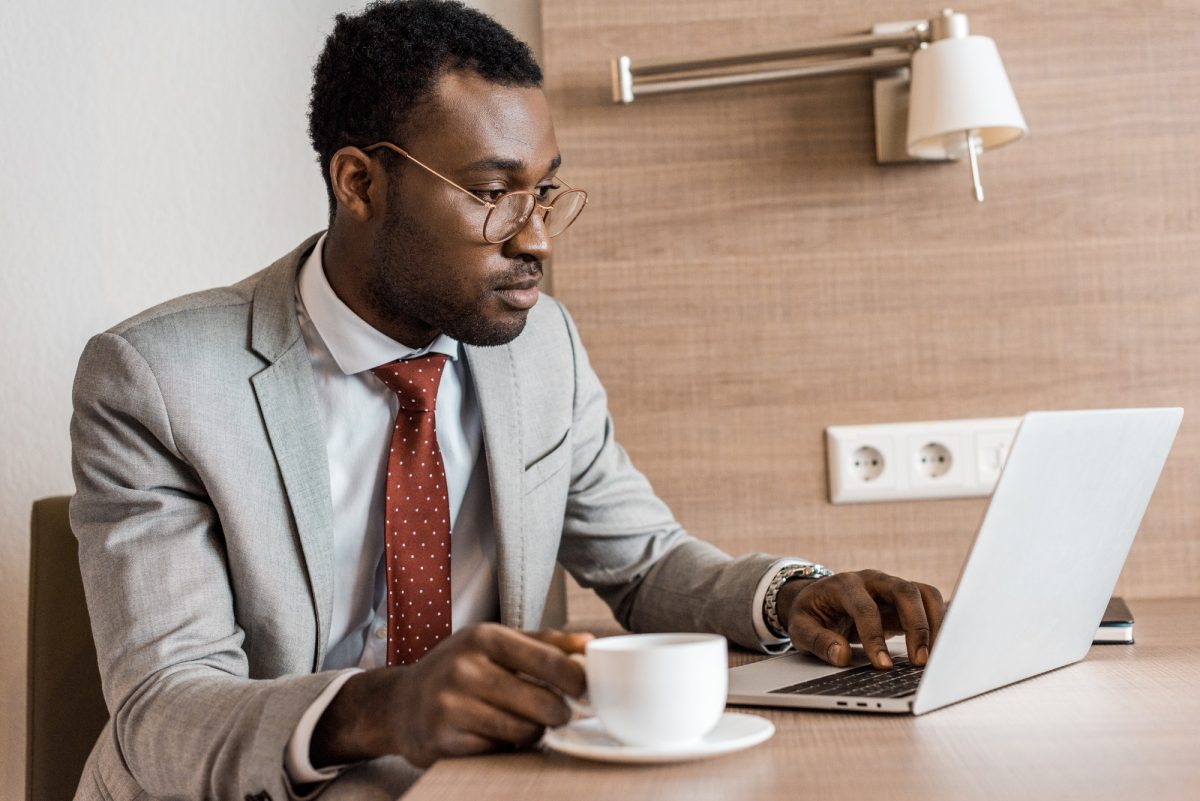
957,103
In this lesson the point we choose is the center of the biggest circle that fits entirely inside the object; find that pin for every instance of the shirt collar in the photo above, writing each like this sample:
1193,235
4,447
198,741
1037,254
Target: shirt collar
354,344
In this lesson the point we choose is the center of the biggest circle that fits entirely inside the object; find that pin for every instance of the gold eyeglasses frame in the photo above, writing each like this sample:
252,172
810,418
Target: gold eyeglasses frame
492,205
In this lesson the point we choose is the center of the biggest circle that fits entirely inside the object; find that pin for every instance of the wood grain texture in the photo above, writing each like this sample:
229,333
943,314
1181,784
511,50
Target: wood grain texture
746,275
1119,725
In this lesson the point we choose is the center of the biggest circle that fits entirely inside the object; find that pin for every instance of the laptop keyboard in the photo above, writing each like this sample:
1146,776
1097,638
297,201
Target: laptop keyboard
863,682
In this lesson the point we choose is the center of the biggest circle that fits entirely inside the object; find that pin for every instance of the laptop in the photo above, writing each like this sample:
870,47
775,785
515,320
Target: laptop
1036,581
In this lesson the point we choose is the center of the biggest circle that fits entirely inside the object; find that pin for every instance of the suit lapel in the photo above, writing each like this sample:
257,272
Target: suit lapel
494,374
287,398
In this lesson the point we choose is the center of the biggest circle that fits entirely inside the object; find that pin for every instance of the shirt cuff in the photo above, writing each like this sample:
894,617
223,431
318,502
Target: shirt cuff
297,760
770,643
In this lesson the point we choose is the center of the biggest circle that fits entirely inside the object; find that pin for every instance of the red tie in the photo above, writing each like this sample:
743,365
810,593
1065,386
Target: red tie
416,535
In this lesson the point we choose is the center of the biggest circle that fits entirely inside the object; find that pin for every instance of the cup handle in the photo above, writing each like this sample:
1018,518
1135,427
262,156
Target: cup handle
580,707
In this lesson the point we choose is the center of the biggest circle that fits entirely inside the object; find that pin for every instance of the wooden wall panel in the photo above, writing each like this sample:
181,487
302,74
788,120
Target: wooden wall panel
746,275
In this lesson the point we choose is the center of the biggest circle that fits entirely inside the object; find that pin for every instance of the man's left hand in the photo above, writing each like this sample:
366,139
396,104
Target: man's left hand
866,606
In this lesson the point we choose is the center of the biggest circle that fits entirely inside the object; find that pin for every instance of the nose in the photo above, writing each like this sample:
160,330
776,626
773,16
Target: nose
531,243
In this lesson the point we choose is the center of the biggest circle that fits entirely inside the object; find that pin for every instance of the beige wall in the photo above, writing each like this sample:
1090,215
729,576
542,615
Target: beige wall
150,149
746,275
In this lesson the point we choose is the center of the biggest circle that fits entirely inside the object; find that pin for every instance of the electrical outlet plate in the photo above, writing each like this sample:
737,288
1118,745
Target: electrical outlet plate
911,461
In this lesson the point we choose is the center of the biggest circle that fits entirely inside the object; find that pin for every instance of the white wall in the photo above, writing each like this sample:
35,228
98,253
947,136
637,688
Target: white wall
148,149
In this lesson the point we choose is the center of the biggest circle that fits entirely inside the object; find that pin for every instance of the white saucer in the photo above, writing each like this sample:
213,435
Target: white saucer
586,738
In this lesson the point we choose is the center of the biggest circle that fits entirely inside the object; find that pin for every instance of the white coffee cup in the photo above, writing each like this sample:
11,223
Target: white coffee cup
658,690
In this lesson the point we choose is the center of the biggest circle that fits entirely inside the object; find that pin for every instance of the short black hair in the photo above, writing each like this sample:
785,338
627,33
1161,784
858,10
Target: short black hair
377,66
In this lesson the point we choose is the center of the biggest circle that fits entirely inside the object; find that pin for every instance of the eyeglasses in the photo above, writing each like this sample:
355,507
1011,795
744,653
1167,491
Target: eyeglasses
509,213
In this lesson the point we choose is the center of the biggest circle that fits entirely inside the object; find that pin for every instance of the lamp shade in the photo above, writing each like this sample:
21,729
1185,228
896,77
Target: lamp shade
959,87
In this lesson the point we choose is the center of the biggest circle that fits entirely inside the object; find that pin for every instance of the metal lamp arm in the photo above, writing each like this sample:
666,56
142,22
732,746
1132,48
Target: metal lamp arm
663,77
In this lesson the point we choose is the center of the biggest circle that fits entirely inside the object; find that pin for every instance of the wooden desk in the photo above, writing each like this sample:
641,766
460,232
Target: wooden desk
1122,724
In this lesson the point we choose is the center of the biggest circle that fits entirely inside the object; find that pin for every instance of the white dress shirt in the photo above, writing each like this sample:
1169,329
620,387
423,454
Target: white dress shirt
359,413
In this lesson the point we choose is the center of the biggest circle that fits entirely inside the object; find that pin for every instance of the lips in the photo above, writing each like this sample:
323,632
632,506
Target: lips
521,294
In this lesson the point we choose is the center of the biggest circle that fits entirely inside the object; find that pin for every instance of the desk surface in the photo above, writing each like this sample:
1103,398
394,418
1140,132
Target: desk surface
1122,724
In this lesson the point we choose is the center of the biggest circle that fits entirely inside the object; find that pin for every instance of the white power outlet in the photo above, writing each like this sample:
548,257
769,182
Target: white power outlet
908,461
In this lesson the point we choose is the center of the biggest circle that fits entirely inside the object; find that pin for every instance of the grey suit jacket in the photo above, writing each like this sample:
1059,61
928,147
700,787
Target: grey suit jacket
203,515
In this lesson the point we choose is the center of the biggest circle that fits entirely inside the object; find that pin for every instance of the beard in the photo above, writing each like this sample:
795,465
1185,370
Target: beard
405,281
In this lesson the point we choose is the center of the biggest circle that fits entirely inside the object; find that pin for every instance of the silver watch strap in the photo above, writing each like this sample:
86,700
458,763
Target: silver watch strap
771,600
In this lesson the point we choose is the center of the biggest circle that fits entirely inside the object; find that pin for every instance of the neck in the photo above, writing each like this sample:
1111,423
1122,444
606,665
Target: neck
347,266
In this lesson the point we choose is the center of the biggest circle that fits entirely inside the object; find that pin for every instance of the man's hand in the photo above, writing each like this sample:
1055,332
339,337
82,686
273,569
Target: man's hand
483,687
826,615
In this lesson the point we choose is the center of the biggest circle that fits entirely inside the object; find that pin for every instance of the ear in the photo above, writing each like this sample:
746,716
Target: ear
357,183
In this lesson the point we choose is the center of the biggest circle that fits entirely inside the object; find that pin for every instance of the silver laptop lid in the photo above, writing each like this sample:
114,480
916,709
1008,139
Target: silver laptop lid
1050,549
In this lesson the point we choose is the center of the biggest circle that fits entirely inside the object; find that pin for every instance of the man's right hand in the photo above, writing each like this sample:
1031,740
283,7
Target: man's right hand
483,687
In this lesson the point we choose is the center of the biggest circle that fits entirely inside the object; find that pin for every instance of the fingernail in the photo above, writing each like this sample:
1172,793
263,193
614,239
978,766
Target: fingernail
834,653
885,659
922,655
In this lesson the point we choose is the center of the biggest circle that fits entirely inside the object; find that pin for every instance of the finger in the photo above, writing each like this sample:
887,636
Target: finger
454,742
520,653
807,633
449,730
521,696
863,609
474,716
935,610
905,598
574,642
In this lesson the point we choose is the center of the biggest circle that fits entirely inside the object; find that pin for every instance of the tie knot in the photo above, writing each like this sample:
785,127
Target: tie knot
415,381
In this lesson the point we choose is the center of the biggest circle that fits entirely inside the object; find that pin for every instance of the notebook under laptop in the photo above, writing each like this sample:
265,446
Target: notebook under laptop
1036,582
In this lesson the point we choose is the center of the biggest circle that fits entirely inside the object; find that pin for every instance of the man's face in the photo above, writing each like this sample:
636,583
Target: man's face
429,269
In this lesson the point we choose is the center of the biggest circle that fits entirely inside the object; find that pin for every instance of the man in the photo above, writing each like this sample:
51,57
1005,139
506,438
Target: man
304,502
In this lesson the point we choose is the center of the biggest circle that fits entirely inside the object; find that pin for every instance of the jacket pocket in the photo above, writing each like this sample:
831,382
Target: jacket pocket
546,466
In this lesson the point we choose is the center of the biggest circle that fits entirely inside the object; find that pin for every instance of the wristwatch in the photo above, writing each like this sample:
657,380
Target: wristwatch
771,600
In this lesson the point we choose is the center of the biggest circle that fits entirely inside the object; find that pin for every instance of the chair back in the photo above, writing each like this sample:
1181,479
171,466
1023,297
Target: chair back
66,709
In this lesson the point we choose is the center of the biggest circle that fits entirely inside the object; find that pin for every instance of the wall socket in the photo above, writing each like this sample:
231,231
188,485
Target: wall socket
911,461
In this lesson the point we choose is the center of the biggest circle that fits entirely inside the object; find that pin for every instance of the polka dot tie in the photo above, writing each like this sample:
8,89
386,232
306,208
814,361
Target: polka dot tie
417,514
